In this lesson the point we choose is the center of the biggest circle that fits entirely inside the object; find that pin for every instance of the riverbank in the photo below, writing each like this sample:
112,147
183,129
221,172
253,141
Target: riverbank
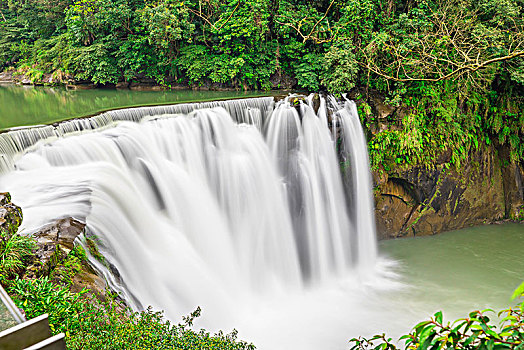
23,76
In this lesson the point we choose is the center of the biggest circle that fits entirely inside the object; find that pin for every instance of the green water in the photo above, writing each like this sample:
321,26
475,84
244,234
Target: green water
24,105
459,271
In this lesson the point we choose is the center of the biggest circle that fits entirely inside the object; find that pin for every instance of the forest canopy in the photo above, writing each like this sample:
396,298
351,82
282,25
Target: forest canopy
332,45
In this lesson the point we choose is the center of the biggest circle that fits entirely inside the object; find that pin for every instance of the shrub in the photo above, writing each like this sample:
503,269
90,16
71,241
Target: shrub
341,68
91,324
14,251
473,332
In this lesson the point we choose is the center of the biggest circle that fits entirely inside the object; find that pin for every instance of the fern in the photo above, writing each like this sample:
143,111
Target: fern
14,250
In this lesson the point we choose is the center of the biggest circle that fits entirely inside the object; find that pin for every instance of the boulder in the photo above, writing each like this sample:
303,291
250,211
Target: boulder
7,76
54,242
382,109
10,214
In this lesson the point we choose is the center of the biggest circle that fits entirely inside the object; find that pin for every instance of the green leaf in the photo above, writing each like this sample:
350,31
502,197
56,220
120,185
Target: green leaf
438,317
421,325
518,292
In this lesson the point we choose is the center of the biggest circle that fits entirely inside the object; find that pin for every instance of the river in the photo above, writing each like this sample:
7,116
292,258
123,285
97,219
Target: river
28,105
122,169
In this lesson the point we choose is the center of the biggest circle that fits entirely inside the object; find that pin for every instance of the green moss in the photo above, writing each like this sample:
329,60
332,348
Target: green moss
67,268
92,246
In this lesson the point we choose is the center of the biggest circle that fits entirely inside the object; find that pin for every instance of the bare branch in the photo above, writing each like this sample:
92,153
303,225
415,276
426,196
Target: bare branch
320,20
207,19
458,71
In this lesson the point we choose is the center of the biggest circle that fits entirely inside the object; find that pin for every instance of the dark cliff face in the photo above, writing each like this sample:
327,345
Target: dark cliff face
429,199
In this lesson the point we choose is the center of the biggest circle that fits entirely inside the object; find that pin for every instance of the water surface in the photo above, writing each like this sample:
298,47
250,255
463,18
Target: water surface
28,105
455,272
462,270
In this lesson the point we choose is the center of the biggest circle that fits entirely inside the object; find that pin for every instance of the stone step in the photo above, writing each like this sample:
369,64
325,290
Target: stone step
34,332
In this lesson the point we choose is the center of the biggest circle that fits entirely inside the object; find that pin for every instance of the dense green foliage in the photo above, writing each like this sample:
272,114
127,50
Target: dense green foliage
14,250
453,69
473,332
330,44
91,324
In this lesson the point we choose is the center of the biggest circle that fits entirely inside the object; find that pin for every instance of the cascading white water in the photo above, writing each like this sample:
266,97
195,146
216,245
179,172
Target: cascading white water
355,148
307,159
18,140
218,207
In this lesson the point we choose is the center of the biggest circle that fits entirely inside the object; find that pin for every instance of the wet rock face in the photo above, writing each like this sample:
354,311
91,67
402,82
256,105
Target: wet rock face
513,183
52,255
429,200
54,242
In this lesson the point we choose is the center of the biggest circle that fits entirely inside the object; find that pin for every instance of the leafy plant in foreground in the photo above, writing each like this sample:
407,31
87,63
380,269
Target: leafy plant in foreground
14,250
473,332
93,324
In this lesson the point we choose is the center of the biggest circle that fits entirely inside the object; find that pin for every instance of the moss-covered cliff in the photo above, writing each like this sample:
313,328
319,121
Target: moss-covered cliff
436,196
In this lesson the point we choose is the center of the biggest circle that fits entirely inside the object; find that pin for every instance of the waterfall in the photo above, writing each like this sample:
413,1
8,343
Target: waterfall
18,140
355,146
212,204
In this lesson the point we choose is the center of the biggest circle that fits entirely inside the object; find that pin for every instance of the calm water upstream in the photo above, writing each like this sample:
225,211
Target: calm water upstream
27,105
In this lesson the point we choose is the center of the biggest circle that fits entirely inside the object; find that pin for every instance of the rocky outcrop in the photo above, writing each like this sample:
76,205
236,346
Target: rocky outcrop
10,214
52,258
53,255
54,243
24,77
426,200
6,77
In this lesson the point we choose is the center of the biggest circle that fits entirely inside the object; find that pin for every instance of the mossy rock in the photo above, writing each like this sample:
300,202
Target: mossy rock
10,214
